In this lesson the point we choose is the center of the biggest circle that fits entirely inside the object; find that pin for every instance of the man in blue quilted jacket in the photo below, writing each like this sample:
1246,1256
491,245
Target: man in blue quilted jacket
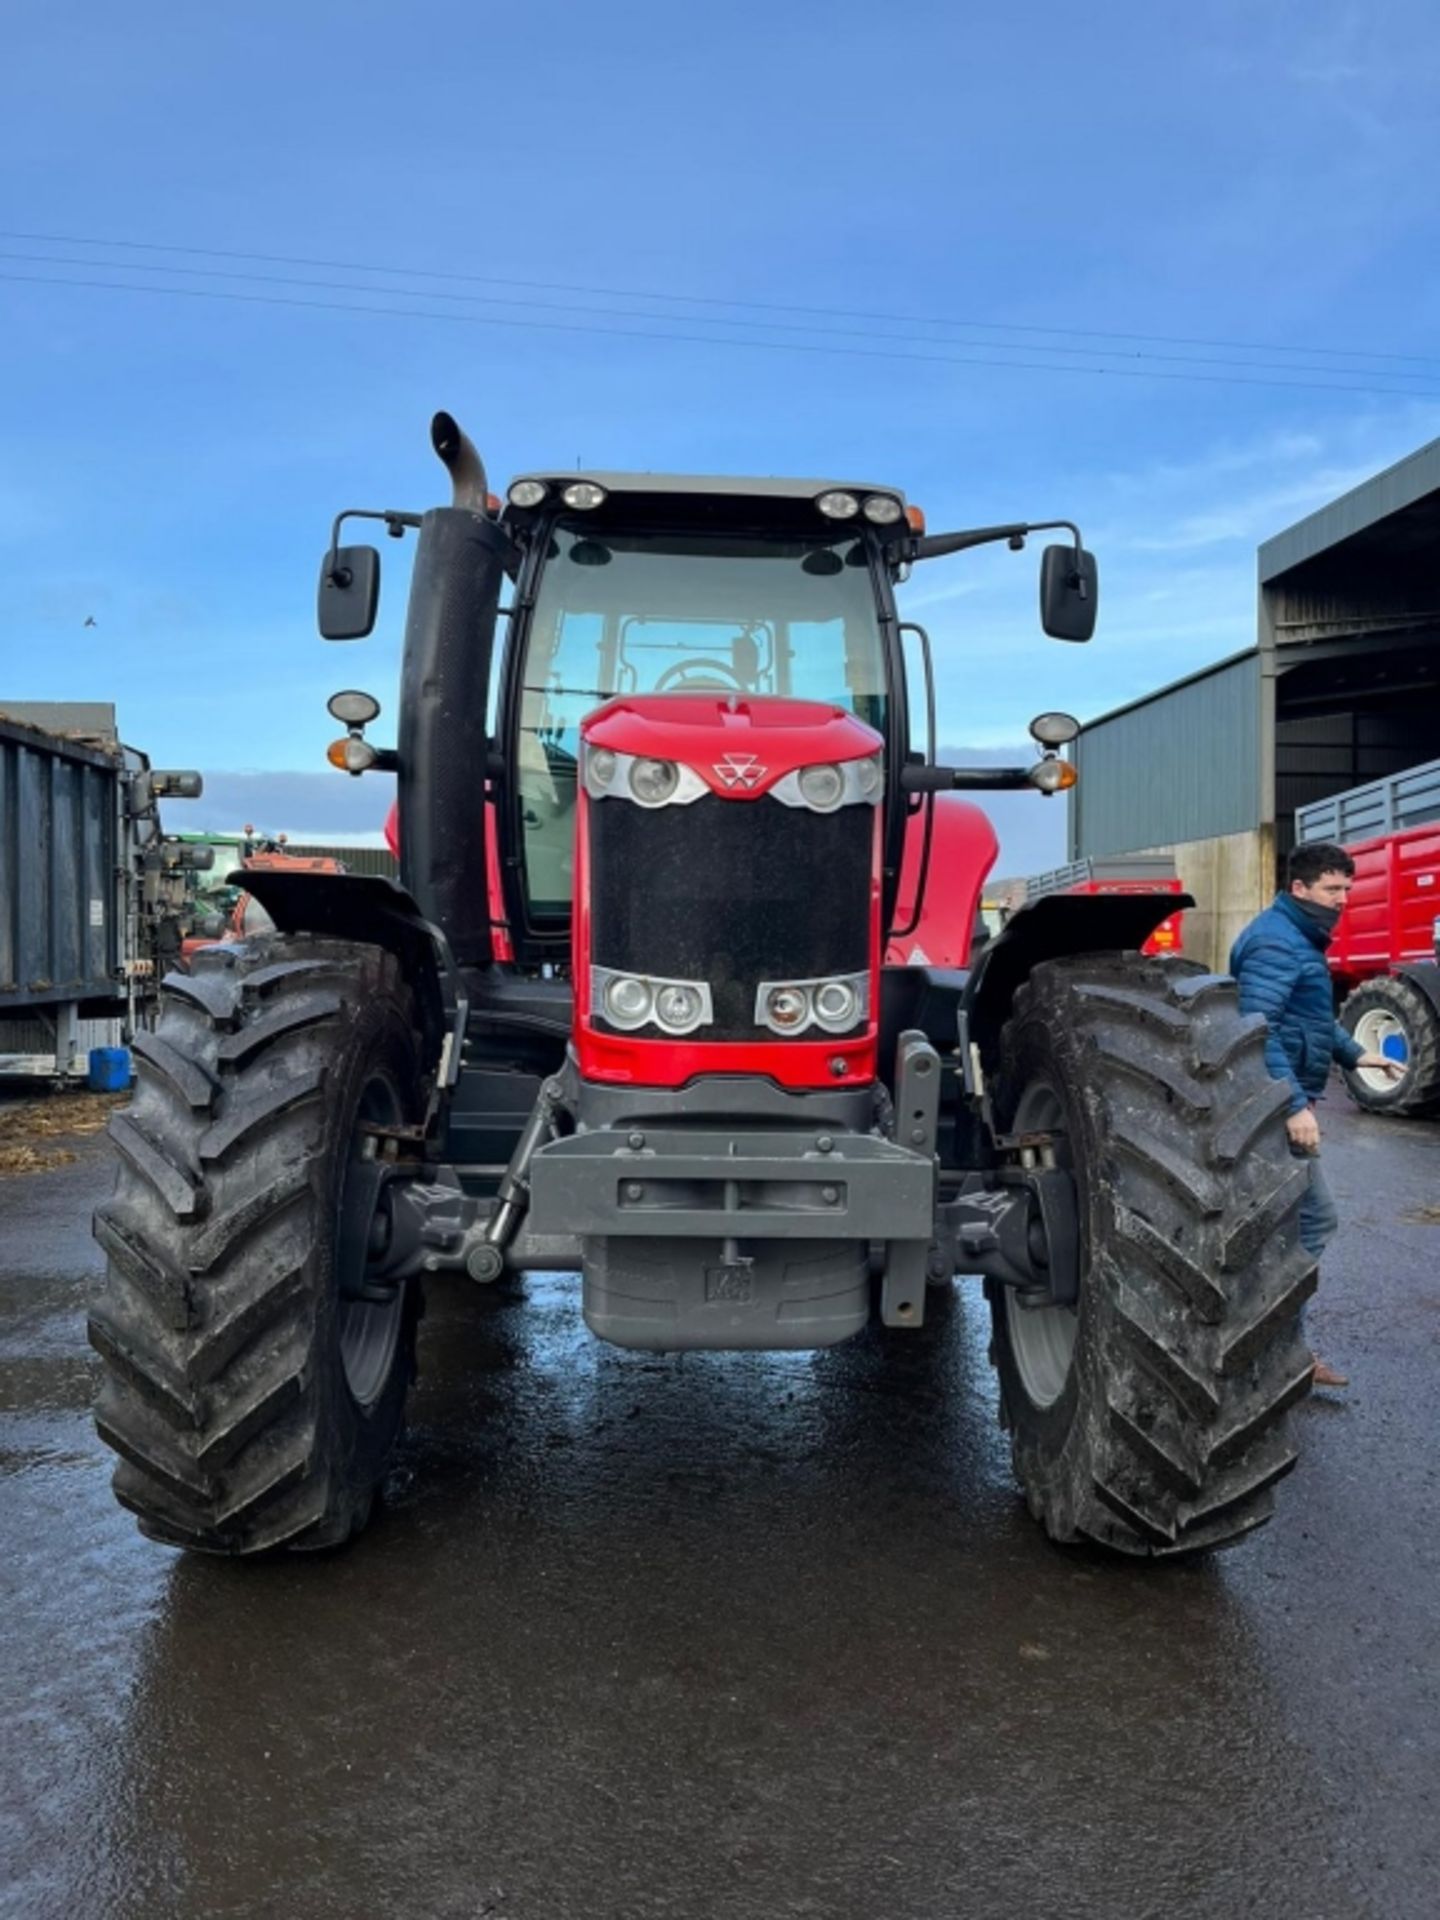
1279,961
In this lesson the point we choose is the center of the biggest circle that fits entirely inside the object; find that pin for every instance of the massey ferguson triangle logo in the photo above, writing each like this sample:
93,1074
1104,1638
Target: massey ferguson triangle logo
741,770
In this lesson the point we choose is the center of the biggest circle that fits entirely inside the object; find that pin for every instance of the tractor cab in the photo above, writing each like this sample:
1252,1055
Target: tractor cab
601,587
665,589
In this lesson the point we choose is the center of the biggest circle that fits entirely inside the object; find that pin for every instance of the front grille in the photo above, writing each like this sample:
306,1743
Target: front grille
733,892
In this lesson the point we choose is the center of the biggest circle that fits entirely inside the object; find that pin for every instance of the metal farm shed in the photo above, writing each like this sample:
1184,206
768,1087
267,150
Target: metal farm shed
1341,688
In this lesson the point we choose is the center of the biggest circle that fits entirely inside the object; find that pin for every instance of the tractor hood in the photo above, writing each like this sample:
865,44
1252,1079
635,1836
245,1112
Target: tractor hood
740,747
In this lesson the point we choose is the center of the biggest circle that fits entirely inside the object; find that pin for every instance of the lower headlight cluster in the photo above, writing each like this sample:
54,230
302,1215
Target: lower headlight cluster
834,1004
631,1000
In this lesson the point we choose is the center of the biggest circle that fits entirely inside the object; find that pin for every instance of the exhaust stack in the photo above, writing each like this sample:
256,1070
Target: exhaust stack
467,469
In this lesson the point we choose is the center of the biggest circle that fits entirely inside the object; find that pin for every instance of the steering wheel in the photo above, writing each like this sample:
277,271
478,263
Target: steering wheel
677,678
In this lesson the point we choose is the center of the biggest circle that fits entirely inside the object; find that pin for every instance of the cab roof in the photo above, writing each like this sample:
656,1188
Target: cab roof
718,485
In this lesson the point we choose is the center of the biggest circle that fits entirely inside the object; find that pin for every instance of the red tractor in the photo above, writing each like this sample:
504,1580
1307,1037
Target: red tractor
686,1074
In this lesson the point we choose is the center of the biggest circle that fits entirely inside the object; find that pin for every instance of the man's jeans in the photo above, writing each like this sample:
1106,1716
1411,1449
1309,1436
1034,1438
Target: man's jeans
1318,1218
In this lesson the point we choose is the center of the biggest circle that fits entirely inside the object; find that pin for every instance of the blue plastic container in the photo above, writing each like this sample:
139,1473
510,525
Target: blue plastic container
109,1069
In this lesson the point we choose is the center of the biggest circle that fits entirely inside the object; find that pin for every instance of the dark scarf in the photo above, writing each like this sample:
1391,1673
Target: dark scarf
1317,922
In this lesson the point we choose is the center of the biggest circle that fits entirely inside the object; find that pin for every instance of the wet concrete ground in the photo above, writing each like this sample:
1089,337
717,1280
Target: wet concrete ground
728,1637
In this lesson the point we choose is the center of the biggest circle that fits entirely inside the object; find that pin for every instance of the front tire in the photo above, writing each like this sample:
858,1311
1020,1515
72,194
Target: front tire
253,1380
1152,1418
1393,1017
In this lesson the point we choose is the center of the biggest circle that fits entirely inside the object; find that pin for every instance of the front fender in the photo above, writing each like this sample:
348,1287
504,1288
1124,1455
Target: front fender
363,906
1049,928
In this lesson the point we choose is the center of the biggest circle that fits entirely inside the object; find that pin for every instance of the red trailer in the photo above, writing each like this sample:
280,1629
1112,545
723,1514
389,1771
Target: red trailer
1386,962
1386,953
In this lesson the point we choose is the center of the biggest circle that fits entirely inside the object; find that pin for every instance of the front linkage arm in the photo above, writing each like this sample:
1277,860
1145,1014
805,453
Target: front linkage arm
1018,1225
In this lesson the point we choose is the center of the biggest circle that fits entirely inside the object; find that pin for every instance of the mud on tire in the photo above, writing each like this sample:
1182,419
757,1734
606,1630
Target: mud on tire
1155,1421
252,1404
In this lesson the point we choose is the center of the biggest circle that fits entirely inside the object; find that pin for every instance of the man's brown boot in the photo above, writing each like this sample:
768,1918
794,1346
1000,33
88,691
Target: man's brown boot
1324,1376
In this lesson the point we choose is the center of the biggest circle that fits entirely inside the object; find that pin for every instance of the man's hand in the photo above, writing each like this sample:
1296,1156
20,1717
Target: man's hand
1304,1130
1395,1068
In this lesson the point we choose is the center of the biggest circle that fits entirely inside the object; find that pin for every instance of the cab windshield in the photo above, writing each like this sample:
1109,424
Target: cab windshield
671,613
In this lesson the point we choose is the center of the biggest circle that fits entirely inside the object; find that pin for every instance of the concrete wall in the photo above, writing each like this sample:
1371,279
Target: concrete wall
1232,876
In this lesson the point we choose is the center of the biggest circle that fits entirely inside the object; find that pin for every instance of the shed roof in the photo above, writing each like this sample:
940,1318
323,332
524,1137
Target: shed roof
1171,686
1410,490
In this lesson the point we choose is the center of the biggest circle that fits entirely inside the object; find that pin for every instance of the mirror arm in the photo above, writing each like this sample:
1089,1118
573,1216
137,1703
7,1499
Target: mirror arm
395,525
965,779
930,546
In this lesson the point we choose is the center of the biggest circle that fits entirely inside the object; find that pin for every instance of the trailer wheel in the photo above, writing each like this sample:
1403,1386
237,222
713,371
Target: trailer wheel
1151,1418
253,1380
1391,1016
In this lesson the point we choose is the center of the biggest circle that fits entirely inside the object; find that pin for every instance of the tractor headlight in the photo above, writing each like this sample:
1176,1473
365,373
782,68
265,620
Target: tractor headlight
883,510
653,782
785,1009
838,505
823,787
1054,729
584,496
527,493
679,1009
353,708
600,765
630,1000
835,1004
611,775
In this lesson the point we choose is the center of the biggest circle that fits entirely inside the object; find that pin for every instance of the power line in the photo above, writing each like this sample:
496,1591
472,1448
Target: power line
547,306
709,340
705,300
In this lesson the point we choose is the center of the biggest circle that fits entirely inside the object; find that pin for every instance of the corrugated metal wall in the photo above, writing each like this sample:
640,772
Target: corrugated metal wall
1183,766
29,1046
59,904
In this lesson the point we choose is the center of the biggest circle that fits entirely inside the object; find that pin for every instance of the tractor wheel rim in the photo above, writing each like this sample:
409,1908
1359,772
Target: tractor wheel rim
1042,1338
369,1330
1380,1031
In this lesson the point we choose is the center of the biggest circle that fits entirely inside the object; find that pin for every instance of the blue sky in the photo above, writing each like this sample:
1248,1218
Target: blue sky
1103,188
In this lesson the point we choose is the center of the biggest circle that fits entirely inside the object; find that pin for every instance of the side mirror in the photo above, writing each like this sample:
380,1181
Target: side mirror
1069,593
349,593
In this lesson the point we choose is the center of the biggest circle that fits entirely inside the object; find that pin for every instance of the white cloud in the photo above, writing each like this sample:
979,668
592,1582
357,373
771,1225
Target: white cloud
1252,517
